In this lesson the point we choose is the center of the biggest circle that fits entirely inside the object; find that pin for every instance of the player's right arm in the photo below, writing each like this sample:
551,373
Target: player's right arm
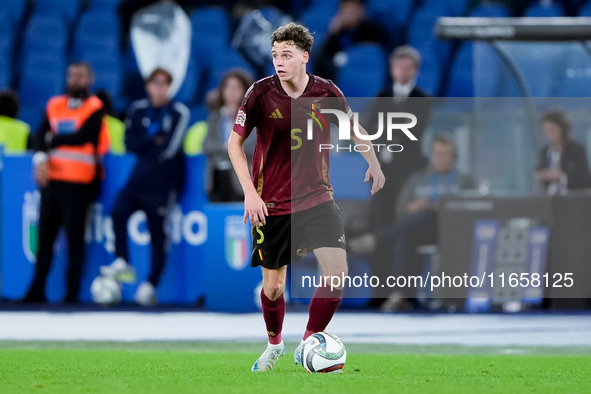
246,120
254,206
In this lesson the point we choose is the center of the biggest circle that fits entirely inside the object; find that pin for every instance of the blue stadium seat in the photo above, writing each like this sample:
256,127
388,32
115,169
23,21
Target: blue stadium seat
133,83
365,72
15,9
67,9
4,71
421,25
271,13
296,7
211,32
317,24
43,76
544,10
460,82
45,34
6,33
198,113
387,11
490,10
188,91
420,33
543,66
103,5
223,63
586,10
107,72
429,78
490,76
328,8
577,78
97,32
451,7
31,115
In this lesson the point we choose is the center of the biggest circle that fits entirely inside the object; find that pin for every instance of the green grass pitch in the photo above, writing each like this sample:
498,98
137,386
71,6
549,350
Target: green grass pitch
209,367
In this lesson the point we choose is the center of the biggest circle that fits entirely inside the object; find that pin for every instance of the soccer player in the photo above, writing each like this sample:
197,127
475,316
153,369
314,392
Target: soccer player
290,191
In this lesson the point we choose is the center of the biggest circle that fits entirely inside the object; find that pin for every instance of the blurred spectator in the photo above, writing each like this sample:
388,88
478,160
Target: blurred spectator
417,212
193,145
155,133
115,127
562,163
405,62
348,27
14,133
402,95
68,145
221,181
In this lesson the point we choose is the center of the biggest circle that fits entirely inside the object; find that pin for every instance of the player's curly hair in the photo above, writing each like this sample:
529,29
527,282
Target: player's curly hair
294,33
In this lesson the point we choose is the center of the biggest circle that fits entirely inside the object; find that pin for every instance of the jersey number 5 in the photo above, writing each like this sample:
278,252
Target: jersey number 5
298,140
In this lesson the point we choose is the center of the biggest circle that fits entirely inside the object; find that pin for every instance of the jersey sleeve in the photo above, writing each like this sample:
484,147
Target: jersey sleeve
247,114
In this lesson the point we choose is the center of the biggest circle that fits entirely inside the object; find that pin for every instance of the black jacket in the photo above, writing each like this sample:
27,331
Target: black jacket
158,166
573,163
411,158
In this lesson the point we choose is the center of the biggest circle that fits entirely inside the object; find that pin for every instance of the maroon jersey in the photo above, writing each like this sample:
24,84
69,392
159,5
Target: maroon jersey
289,172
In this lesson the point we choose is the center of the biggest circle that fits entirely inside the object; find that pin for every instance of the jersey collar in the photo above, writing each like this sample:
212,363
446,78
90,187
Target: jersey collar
306,89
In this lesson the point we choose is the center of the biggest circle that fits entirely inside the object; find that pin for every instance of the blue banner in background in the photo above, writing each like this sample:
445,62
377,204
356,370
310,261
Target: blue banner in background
182,281
210,244
538,240
231,281
482,263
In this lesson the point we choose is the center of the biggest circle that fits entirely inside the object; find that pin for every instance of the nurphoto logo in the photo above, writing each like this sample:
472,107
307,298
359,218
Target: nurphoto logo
393,121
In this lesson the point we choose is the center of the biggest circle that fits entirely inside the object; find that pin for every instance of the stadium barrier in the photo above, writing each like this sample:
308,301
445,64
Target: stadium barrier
210,246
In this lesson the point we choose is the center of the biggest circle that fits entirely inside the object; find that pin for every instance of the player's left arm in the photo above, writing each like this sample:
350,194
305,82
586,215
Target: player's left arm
374,171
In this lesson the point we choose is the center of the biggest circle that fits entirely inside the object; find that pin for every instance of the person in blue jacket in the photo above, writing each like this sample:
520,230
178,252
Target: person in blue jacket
155,131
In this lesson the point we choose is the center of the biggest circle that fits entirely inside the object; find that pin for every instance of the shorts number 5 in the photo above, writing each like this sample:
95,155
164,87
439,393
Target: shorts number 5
260,232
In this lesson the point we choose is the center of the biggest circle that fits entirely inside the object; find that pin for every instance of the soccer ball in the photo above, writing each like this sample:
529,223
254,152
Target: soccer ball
323,352
105,291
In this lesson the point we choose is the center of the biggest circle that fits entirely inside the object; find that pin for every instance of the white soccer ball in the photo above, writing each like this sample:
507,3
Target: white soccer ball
105,291
323,352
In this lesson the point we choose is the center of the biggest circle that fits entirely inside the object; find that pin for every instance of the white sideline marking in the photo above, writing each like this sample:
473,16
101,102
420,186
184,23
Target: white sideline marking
476,330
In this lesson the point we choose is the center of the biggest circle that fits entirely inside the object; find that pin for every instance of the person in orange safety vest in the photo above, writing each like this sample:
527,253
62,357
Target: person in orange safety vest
69,145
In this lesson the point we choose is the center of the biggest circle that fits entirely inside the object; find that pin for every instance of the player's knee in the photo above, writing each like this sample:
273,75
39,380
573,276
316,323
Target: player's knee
344,272
339,272
274,290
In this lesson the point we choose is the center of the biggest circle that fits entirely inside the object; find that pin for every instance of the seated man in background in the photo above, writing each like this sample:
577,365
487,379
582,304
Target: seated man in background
562,163
155,133
406,96
416,210
14,133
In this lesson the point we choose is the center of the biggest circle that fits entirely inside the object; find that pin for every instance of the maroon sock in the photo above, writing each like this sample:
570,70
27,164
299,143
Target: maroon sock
273,313
322,309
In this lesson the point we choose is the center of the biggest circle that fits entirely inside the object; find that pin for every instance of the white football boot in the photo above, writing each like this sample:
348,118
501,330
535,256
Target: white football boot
297,355
145,295
269,357
119,270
